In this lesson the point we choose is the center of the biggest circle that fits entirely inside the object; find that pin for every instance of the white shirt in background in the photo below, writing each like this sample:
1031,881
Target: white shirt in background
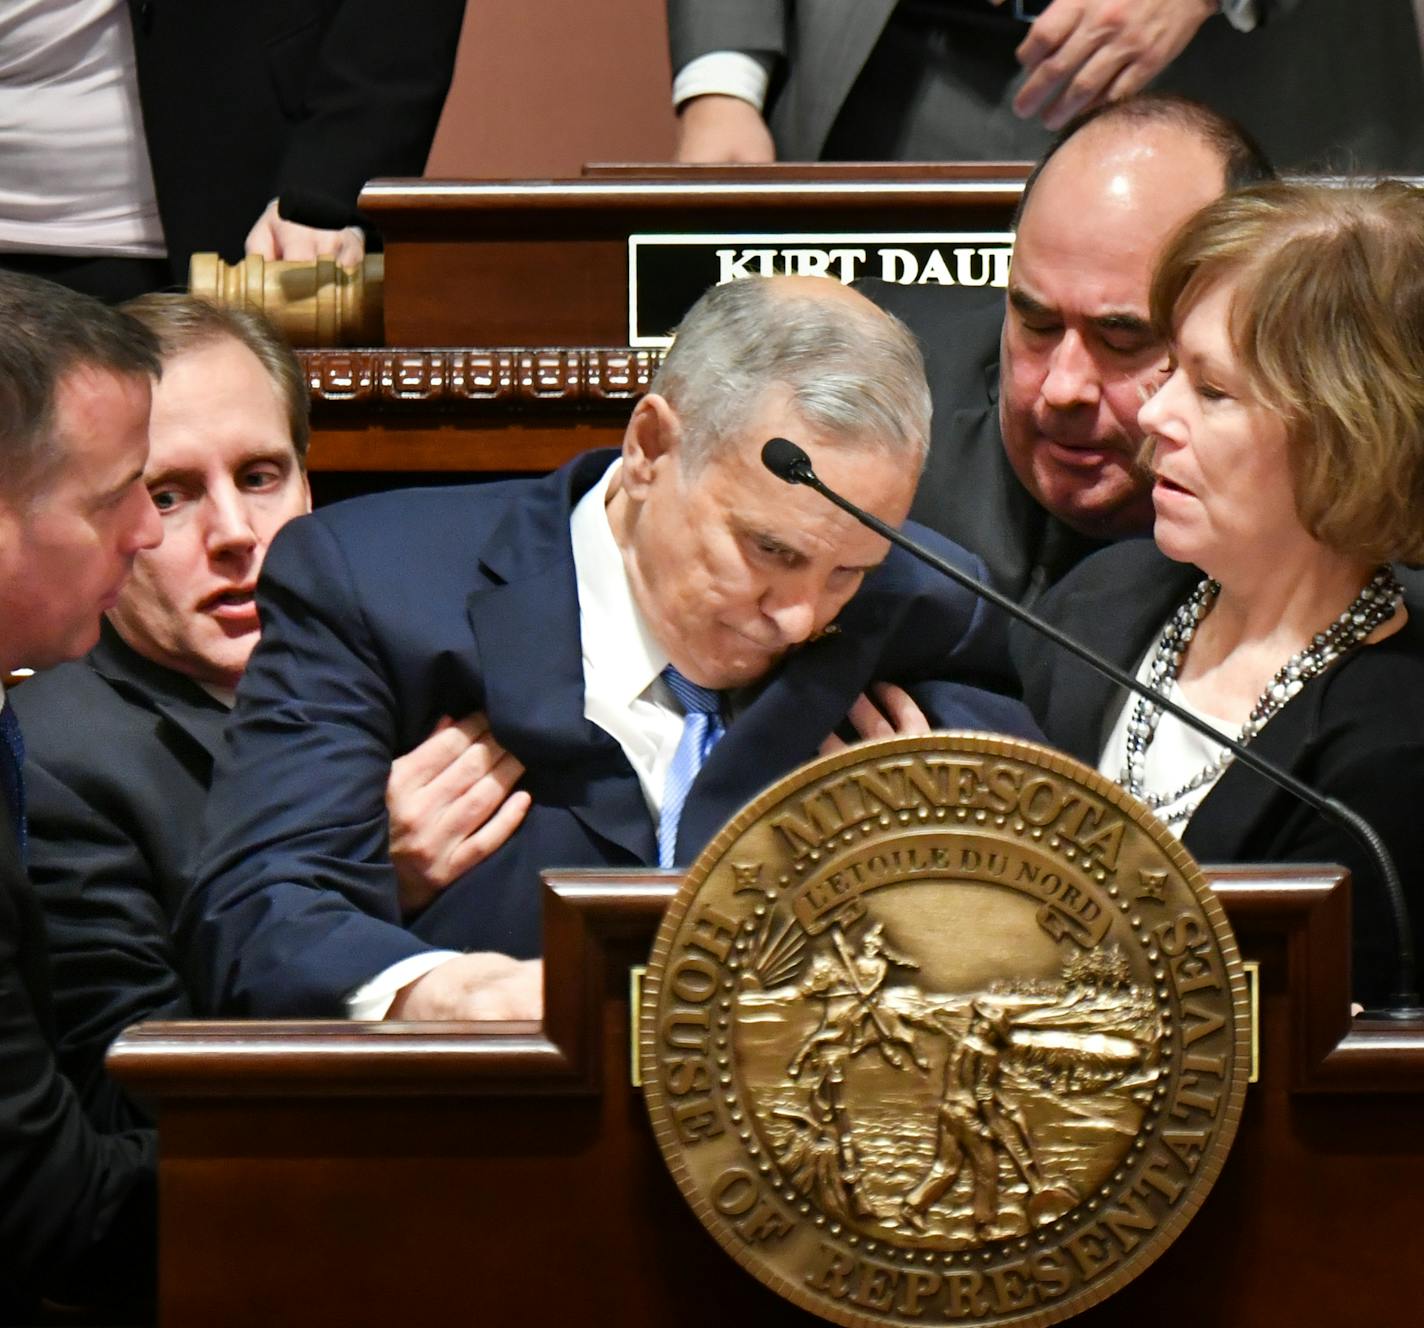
74,169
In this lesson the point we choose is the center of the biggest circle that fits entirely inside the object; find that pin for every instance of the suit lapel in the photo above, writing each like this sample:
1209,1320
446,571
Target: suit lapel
526,628
839,50
1117,629
187,707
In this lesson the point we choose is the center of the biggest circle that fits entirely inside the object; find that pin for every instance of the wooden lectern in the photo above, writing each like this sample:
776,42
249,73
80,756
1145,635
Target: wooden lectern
507,1175
505,305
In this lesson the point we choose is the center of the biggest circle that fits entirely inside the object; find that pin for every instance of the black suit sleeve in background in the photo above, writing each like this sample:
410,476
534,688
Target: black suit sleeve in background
306,98
370,102
77,1207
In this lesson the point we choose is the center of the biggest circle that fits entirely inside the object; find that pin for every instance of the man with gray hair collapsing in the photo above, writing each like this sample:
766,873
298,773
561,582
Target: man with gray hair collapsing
614,621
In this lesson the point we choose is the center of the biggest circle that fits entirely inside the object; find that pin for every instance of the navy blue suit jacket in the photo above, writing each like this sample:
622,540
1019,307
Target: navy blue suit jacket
384,613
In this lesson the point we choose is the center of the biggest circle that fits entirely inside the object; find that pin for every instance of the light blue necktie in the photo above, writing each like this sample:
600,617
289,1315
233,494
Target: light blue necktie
12,782
701,728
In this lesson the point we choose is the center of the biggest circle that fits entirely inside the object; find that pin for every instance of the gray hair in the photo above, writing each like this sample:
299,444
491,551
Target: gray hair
46,333
855,374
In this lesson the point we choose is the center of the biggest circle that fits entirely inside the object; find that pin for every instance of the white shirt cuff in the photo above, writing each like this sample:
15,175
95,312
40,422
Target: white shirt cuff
725,73
371,1000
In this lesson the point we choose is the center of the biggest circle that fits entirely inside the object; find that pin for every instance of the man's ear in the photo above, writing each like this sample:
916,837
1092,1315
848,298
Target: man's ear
649,442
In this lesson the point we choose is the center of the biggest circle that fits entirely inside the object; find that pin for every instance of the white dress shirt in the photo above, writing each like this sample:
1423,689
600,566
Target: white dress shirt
623,692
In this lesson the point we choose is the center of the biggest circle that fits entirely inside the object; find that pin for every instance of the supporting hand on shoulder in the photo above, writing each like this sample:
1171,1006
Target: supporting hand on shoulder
885,711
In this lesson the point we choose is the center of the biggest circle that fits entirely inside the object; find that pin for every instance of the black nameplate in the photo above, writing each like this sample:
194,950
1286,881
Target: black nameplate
666,273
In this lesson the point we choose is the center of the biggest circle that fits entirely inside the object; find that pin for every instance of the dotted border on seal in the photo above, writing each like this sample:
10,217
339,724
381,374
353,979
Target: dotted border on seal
956,742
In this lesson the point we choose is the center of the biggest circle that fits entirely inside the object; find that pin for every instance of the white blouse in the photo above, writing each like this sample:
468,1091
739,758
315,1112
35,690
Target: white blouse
76,174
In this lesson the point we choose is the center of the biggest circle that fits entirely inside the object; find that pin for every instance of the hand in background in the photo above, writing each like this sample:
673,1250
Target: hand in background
1081,53
272,237
716,128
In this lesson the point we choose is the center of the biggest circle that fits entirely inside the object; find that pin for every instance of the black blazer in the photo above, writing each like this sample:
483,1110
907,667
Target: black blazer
382,614
968,491
246,100
119,755
1355,733
77,1207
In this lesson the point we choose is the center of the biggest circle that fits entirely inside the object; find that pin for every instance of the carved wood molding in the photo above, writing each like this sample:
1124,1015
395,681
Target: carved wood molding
463,378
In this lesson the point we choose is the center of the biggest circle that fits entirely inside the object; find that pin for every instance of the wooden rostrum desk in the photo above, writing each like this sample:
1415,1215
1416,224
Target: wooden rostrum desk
505,345
507,1175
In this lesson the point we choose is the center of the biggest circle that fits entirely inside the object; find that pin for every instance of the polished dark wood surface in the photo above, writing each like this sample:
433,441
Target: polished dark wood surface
379,1174
506,302
997,171
546,263
451,409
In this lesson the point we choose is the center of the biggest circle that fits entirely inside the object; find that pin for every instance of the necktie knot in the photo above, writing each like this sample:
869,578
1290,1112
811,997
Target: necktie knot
692,697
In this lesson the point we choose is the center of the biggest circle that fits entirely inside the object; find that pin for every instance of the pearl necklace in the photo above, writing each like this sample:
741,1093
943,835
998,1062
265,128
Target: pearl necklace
1375,604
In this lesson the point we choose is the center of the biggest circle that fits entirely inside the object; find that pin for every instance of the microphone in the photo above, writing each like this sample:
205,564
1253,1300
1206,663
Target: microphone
790,463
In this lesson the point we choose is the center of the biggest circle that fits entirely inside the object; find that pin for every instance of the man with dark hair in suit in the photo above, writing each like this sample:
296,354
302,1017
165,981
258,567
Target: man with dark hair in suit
656,636
77,1217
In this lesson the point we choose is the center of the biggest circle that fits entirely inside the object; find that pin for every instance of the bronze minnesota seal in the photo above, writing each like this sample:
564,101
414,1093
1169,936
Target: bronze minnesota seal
945,1030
